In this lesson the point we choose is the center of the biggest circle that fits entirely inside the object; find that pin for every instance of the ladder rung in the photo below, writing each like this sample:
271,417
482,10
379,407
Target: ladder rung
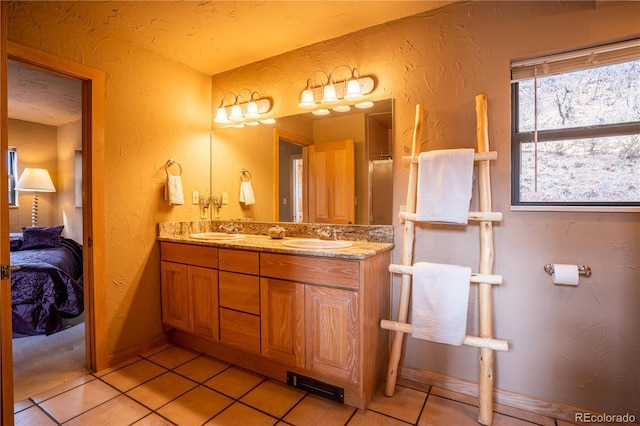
479,156
481,216
475,278
475,341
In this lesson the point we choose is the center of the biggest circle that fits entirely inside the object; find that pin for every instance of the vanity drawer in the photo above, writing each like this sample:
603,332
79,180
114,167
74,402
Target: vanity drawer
314,270
246,262
189,254
240,292
240,329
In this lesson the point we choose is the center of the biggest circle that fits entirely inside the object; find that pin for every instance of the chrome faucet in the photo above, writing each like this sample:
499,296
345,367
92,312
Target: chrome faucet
231,228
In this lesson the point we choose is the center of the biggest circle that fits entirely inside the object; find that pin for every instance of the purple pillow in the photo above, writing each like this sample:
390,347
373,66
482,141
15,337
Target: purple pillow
38,237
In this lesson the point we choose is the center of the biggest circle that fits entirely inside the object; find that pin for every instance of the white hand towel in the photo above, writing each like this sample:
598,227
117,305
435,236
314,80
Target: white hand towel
246,193
440,299
444,185
173,190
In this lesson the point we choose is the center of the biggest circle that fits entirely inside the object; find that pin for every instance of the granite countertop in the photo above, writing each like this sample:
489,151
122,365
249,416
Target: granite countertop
358,250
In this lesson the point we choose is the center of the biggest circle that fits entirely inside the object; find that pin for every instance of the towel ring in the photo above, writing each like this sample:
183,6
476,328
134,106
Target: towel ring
243,175
171,163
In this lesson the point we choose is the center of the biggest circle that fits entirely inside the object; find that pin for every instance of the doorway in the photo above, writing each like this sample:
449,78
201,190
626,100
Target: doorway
45,132
93,86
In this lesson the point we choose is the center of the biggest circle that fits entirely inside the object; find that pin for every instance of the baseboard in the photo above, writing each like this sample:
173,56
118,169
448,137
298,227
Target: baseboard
511,399
133,351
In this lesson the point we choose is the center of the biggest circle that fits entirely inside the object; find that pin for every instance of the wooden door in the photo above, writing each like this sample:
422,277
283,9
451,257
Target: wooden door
332,182
331,324
282,333
174,283
203,292
6,356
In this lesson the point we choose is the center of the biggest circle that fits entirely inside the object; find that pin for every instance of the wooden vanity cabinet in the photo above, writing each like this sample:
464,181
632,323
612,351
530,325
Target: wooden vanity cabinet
189,288
281,313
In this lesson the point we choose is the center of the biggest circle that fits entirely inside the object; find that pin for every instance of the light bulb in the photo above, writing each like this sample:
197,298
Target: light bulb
320,112
363,105
341,108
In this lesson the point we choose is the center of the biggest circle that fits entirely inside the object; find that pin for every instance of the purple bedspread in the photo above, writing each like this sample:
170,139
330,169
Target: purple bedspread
46,286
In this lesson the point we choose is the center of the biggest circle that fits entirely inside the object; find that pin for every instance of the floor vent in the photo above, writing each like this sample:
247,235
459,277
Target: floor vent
316,387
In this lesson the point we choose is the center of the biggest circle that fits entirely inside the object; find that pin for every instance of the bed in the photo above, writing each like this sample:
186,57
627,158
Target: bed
46,280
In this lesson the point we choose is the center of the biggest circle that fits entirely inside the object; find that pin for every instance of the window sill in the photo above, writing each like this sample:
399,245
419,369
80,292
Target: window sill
582,209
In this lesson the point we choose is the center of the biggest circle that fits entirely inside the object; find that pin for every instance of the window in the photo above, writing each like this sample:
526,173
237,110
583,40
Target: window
576,128
13,176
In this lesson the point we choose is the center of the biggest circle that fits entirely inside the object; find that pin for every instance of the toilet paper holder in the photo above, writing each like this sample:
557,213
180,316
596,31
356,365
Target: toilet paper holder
582,269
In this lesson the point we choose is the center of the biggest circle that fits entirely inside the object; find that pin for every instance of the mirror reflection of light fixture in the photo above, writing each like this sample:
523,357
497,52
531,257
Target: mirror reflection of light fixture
236,110
35,180
331,89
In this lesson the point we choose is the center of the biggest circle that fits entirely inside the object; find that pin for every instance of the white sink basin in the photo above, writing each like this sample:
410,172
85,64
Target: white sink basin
310,243
216,236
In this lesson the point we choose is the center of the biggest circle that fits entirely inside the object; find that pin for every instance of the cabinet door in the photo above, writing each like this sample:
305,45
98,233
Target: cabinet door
282,308
331,323
175,295
203,286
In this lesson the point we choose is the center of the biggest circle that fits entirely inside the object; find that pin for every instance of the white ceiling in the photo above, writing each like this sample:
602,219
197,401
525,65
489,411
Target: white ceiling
210,37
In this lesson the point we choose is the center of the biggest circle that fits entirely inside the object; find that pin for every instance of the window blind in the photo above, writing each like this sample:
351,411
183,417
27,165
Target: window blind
575,60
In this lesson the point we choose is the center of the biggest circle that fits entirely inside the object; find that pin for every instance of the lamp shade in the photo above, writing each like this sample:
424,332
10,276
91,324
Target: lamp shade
252,110
236,113
35,180
221,116
329,95
307,100
353,90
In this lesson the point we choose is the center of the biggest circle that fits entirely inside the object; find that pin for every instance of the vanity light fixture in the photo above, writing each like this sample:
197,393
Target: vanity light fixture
335,89
238,110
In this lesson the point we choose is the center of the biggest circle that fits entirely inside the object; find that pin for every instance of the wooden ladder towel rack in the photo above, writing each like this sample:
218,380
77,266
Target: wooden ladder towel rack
484,278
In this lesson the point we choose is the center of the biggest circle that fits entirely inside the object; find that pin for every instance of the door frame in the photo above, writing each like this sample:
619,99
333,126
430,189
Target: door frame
93,221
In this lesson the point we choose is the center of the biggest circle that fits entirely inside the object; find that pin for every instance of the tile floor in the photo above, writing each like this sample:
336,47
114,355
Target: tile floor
173,385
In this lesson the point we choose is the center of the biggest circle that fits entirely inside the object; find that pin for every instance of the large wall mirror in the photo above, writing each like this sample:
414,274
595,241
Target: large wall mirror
307,168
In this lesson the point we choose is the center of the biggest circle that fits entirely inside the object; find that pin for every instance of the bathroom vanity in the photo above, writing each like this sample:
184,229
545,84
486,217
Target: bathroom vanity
309,317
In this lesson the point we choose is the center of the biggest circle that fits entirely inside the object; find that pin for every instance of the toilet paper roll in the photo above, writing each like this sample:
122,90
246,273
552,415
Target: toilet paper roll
565,274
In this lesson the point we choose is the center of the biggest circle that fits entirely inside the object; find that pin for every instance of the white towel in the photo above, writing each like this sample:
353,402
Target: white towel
246,193
444,185
440,299
173,190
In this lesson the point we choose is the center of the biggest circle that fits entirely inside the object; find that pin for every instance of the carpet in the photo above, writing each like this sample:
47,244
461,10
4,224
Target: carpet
44,362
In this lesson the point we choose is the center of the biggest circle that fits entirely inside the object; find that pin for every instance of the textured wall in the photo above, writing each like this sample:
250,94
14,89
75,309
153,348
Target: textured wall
578,346
156,109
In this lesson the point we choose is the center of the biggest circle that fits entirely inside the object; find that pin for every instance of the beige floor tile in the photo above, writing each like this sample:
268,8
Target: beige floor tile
195,407
22,405
118,411
156,350
460,397
202,368
371,418
405,404
316,411
157,392
133,375
42,396
241,415
153,420
444,412
117,367
173,356
273,397
234,382
31,417
78,400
